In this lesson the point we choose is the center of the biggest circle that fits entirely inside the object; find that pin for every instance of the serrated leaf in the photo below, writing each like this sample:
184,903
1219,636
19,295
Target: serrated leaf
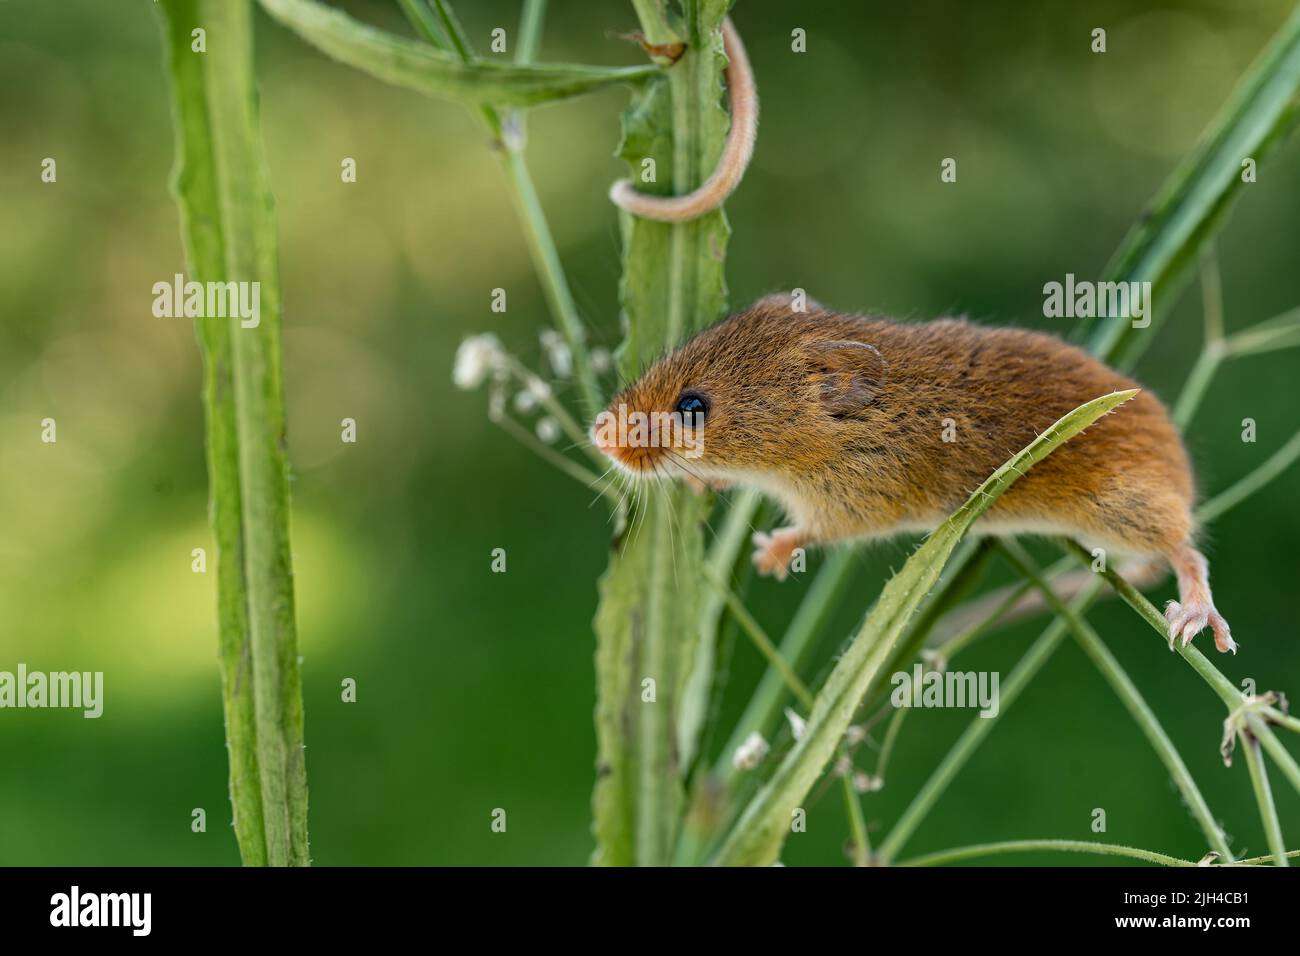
420,67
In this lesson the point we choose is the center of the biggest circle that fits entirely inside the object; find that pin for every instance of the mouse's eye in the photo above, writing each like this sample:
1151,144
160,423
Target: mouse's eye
693,407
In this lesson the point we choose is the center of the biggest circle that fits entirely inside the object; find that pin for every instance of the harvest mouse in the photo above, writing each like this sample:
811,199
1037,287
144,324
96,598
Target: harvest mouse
862,427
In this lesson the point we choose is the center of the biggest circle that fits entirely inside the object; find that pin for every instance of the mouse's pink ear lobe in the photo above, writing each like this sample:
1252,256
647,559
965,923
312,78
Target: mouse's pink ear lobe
851,374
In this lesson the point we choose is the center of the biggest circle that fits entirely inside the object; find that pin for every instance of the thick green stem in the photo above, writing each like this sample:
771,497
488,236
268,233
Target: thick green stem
229,231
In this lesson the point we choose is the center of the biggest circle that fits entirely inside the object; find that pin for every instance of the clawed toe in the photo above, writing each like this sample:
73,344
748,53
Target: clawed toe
1187,620
1222,633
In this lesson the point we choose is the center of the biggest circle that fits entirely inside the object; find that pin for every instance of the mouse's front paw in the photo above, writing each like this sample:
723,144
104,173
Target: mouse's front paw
1187,620
774,551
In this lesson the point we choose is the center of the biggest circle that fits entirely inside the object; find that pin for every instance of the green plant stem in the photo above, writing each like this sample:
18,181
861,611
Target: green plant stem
1128,693
765,646
892,731
1232,698
422,19
529,39
548,454
1198,382
959,854
764,707
653,591
1264,798
438,73
1280,332
537,231
527,378
1162,246
721,564
778,664
1276,716
1257,860
1235,494
954,645
1211,293
857,823
1131,596
228,225
546,260
1281,756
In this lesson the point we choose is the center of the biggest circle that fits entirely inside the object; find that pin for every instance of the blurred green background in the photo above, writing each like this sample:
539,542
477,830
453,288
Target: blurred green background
476,689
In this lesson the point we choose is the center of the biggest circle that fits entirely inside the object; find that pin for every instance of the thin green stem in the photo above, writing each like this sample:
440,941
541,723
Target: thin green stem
551,456
530,31
1264,798
887,745
1197,384
1276,716
1280,332
857,824
546,260
1136,600
1211,293
959,854
537,232
764,707
454,31
1281,756
1232,698
1128,693
764,644
1235,494
544,394
1257,860
422,19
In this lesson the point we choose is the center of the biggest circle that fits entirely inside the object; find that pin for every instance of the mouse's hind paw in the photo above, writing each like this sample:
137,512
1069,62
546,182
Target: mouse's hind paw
1189,619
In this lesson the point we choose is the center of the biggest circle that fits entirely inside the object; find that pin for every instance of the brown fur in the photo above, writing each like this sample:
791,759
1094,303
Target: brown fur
864,456
1126,482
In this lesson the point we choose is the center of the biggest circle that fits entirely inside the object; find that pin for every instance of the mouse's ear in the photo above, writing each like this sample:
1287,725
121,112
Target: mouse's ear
852,374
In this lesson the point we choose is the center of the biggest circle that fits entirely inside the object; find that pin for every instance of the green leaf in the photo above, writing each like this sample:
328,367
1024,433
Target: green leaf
228,224
1166,241
757,837
648,623
420,67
